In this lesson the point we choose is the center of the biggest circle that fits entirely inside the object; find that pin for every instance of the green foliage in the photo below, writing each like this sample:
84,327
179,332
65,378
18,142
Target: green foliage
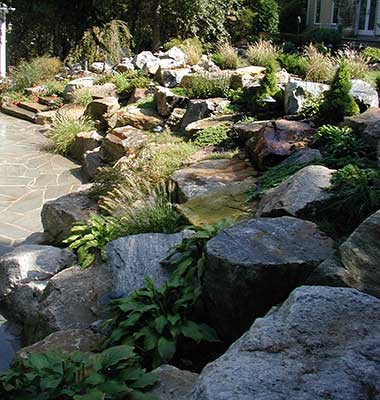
113,374
203,86
82,96
28,74
336,141
312,106
55,88
226,57
267,14
268,88
103,43
293,63
322,35
147,103
90,238
338,102
158,321
213,135
373,77
126,82
356,62
356,195
372,54
64,130
263,53
274,177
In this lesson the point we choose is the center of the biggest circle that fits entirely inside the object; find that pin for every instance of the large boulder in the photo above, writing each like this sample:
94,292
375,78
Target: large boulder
297,92
58,216
254,265
176,54
91,163
83,142
134,258
212,122
98,110
202,177
302,156
147,62
200,109
73,299
122,141
301,195
171,77
103,91
330,273
140,118
322,343
364,93
276,141
173,383
72,86
24,274
67,341
247,130
166,101
360,254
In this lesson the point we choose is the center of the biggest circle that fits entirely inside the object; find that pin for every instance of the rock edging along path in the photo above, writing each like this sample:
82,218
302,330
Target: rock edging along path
29,176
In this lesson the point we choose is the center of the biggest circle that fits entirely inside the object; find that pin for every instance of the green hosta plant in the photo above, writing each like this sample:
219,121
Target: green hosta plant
113,374
90,238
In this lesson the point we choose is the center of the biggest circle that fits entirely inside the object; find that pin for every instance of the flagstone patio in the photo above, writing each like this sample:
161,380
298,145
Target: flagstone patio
29,176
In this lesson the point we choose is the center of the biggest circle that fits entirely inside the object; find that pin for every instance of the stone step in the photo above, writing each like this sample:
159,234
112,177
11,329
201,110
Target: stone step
33,106
47,101
18,112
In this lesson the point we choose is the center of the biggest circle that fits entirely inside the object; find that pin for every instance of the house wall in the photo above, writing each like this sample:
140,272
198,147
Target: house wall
326,13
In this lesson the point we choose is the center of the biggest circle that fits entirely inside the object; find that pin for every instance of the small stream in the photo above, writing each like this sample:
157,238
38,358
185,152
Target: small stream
9,342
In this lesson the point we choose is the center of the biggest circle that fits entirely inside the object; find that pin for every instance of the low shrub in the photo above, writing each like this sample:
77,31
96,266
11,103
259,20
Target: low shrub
372,54
356,195
357,63
268,88
213,135
82,96
114,373
294,63
320,67
338,102
203,86
337,141
30,73
64,130
263,53
322,35
226,57
125,82
55,88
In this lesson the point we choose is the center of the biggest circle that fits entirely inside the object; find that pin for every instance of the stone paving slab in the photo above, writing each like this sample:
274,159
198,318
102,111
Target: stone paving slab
29,176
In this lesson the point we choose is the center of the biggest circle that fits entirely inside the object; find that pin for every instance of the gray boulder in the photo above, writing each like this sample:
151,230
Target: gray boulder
360,254
296,93
84,141
73,299
330,273
58,216
171,77
98,110
166,101
32,263
302,156
254,265
322,343
200,109
72,86
134,258
174,384
364,93
300,195
102,91
91,163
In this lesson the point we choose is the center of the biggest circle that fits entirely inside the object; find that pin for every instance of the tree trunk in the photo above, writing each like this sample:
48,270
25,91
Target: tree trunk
156,29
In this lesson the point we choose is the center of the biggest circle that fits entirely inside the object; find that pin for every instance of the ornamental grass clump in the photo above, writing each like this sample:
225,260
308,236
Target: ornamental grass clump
226,57
320,67
357,63
64,130
263,53
338,103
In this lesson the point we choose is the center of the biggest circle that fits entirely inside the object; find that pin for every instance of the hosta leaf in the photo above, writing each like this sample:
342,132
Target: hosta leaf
150,341
166,348
114,355
191,330
173,319
160,324
145,381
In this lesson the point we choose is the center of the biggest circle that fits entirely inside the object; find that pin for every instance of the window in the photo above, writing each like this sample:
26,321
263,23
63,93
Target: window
335,13
318,6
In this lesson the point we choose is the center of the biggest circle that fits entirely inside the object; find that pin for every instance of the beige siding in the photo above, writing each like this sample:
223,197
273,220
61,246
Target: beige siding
326,13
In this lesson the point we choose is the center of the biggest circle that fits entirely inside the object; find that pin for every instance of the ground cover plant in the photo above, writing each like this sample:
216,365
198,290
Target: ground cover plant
207,85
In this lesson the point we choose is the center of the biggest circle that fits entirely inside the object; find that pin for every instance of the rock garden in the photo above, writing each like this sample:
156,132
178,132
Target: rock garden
226,243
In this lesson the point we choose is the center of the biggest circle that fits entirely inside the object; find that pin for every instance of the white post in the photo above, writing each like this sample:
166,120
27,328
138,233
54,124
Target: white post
3,47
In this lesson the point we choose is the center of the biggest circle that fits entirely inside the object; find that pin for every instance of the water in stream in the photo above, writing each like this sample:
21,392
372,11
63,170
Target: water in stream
9,343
